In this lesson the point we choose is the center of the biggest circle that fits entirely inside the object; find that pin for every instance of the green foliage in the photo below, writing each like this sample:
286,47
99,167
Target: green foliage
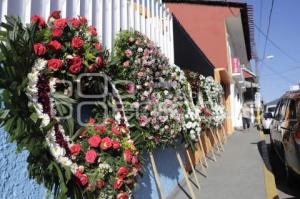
20,121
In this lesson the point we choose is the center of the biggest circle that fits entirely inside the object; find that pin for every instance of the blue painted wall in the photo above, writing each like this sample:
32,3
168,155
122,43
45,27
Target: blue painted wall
15,184
14,181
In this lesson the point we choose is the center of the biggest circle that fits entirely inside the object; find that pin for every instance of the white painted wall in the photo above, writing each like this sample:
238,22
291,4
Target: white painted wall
150,17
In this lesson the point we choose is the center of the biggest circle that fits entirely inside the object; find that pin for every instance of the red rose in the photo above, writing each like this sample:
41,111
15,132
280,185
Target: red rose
75,149
100,184
75,68
39,49
57,32
54,45
118,183
99,61
82,178
54,64
105,143
122,172
123,195
115,131
98,46
90,156
55,14
94,141
76,23
92,30
134,160
116,145
92,68
82,20
76,42
100,129
38,20
92,121
60,23
127,156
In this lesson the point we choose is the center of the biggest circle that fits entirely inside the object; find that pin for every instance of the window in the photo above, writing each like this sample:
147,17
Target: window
277,110
292,110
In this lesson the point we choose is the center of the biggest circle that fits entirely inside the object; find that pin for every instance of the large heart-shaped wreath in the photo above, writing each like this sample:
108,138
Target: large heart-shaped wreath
46,70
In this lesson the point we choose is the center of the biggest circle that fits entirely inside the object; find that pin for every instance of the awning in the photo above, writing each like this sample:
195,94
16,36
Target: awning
248,74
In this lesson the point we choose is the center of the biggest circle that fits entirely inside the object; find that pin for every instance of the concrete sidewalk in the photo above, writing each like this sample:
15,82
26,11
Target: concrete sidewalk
237,174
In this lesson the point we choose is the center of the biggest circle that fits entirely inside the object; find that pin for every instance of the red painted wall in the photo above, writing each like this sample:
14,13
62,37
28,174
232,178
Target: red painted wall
206,26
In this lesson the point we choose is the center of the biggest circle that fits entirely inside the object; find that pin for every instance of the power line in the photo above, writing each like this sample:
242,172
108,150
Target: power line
276,45
260,17
279,74
269,25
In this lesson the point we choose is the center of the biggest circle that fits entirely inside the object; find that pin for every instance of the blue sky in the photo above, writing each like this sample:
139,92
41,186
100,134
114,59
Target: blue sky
285,32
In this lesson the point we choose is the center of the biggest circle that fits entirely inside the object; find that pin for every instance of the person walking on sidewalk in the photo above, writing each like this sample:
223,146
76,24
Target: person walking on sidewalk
246,116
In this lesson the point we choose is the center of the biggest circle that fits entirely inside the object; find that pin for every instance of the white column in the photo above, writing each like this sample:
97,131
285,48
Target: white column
116,13
172,58
4,8
143,17
62,6
98,21
87,10
27,10
131,15
107,21
148,19
124,14
152,22
137,17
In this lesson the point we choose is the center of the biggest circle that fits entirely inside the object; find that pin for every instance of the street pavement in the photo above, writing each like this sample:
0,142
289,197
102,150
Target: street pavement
238,172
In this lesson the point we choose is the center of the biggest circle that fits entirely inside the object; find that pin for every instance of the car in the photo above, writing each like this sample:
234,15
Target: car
270,109
285,133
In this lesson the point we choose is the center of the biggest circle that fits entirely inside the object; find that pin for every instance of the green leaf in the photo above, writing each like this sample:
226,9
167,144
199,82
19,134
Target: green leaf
34,117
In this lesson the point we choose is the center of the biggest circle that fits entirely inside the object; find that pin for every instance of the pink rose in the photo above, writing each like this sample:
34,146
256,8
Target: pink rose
118,183
76,23
54,64
60,23
99,61
122,172
83,20
123,195
38,20
106,143
57,32
75,149
39,49
134,160
126,64
100,129
100,184
90,156
128,53
130,88
143,120
115,131
127,155
116,145
54,45
54,15
94,141
82,178
92,30
77,43
98,46
75,68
